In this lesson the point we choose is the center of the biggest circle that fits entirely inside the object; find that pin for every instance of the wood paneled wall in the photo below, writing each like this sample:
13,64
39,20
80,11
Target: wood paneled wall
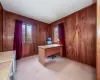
39,33
1,25
98,40
80,35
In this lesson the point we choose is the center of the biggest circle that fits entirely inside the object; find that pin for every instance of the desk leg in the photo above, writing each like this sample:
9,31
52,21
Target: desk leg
42,56
61,51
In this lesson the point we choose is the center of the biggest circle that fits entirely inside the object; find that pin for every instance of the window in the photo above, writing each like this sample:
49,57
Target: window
26,33
23,33
56,34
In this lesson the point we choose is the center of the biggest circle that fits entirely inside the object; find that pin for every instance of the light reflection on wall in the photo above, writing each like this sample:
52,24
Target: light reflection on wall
98,31
10,37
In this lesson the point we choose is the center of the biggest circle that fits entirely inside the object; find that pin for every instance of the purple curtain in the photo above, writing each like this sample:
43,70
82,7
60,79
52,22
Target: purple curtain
18,39
62,37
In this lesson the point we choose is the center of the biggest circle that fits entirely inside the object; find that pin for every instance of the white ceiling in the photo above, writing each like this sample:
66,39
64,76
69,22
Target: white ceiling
46,11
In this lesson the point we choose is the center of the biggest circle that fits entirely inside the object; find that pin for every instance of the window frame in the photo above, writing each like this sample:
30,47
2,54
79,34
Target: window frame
26,36
55,40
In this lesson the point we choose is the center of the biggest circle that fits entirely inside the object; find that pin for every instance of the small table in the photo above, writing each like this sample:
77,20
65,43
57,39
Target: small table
7,58
48,50
5,70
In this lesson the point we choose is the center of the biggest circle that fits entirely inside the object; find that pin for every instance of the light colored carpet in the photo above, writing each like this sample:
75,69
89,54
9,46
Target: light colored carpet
57,69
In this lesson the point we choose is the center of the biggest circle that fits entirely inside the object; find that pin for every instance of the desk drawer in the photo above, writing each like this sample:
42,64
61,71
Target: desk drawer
51,51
